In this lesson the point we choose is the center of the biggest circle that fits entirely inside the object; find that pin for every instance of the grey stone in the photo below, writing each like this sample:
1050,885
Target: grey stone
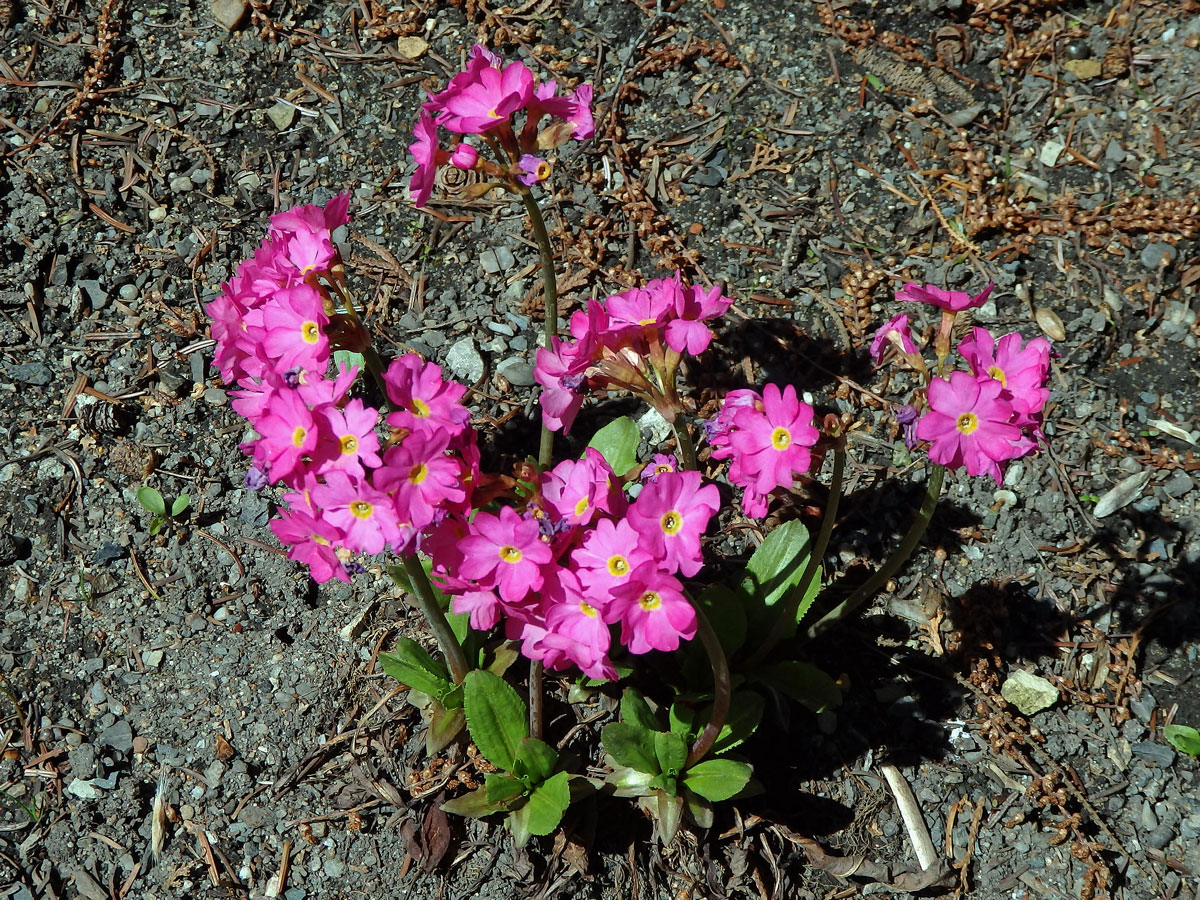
464,361
1160,837
335,868
119,736
34,373
83,761
1158,754
1156,255
1178,485
517,372
88,886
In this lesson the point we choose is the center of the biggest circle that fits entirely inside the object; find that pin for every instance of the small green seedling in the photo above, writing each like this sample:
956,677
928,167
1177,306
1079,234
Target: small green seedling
1183,738
152,501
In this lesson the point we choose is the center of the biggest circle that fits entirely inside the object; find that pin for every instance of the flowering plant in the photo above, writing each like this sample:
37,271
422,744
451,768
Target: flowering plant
592,562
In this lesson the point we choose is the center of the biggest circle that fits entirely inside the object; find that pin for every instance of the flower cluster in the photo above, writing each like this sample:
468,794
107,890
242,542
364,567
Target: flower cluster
275,324
482,101
768,437
577,557
982,418
631,341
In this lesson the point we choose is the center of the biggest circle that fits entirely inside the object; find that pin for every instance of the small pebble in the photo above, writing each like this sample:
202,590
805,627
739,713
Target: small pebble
1158,754
1156,255
1160,837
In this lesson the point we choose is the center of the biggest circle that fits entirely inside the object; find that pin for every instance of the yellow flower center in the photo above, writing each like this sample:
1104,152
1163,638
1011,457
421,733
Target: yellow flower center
419,407
492,114
781,438
671,522
298,436
510,554
310,332
417,473
967,423
618,566
587,610
361,509
349,443
320,540
998,373
650,601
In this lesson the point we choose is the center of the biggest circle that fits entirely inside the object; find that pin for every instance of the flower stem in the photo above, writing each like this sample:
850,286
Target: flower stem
550,293
432,610
721,686
687,448
787,613
535,698
892,564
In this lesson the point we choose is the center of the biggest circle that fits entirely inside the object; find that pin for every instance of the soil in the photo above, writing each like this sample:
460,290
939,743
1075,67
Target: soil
186,714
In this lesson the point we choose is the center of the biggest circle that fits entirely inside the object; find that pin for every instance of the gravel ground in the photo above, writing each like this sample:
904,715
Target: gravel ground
196,689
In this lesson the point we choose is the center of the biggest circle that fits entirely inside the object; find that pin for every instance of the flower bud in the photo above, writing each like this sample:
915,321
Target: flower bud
464,156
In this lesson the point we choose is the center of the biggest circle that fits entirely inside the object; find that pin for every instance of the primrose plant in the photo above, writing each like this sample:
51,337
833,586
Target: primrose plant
593,563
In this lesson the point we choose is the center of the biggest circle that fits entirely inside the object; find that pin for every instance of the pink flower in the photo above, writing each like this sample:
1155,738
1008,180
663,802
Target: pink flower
576,109
574,613
719,429
488,97
421,477
288,434
687,333
560,372
632,311
483,608
577,489
294,320
661,464
425,400
770,447
309,539
897,333
428,155
534,169
969,423
1022,372
955,301
653,612
505,552
670,514
364,515
348,440
609,554
304,233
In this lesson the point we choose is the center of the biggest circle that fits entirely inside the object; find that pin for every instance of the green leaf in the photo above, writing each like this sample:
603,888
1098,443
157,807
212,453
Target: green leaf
668,810
496,717
182,502
726,615
474,805
636,711
618,444
444,726
502,788
774,570
745,713
156,524
152,501
411,664
547,804
804,683
717,779
671,750
875,82
535,760
1183,738
348,358
631,745
699,809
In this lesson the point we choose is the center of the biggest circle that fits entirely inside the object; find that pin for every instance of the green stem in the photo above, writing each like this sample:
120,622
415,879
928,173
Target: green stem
786,619
550,291
687,448
721,686
892,564
432,610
